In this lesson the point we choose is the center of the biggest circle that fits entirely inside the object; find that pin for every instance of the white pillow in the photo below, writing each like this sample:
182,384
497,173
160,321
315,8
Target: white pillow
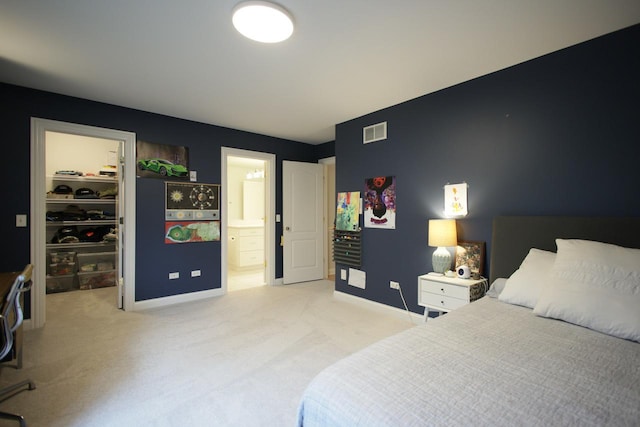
525,284
596,285
496,287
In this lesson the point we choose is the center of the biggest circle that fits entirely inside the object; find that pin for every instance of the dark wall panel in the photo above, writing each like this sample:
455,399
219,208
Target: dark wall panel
153,258
557,135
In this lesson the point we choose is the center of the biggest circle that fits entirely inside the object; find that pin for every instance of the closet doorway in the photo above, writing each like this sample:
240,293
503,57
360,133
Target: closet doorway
247,234
59,153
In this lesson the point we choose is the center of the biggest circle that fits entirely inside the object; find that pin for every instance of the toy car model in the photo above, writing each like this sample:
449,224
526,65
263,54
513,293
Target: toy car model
162,167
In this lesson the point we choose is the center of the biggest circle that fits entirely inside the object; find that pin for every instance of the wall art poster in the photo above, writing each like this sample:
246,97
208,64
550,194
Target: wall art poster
471,254
162,161
348,211
190,232
455,200
191,201
380,202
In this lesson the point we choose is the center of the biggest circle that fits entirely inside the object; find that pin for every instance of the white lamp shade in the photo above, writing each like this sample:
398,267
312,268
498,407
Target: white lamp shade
442,232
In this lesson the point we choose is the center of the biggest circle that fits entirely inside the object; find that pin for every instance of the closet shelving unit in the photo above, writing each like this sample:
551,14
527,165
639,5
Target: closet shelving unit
81,265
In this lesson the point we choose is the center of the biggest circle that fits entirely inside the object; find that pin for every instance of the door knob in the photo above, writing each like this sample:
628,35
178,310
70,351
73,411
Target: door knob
287,228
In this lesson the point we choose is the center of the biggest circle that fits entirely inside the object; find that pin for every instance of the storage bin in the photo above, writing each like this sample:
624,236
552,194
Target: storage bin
62,268
98,261
98,279
56,257
61,283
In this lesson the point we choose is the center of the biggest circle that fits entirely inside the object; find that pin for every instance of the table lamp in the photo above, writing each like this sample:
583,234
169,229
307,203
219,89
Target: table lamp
442,233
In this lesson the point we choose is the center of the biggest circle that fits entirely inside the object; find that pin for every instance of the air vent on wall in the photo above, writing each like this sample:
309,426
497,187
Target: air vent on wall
374,133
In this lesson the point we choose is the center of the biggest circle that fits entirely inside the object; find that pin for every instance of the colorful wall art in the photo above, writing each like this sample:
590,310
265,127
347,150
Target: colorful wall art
380,202
348,211
185,201
162,161
190,232
455,200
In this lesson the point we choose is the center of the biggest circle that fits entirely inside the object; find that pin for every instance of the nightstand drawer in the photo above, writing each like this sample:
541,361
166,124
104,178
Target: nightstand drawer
441,301
446,289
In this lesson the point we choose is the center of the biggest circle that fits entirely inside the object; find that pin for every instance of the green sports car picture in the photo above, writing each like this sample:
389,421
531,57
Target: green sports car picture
162,167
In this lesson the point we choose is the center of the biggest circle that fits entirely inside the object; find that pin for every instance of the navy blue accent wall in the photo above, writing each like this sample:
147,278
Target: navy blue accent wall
558,135
323,151
154,259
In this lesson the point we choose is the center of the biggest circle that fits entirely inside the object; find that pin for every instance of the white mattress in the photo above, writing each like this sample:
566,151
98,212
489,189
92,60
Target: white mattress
487,363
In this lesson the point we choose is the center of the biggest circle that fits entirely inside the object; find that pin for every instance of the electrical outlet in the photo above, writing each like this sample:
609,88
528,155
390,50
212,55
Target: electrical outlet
195,273
394,285
21,220
175,275
343,274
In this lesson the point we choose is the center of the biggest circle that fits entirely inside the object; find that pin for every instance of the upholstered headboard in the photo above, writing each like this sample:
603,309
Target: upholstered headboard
513,236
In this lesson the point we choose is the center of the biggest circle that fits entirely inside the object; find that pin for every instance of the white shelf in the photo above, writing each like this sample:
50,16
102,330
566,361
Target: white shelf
81,201
79,245
75,178
87,222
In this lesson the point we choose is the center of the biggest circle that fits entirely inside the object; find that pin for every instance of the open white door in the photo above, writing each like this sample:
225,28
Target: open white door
120,225
302,212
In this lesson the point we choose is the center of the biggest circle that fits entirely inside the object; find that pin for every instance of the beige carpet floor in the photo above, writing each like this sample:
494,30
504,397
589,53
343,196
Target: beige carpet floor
243,359
239,280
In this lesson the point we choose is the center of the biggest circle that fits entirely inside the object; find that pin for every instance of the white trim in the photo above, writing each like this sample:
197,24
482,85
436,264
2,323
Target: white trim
325,221
39,127
380,308
328,160
177,299
270,211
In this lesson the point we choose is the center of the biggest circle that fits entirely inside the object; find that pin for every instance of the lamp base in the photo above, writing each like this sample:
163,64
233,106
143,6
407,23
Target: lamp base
441,260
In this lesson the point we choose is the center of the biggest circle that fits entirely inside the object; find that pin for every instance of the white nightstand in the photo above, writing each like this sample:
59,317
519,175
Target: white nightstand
443,294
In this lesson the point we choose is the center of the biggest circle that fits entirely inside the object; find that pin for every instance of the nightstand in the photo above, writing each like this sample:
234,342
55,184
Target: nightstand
443,294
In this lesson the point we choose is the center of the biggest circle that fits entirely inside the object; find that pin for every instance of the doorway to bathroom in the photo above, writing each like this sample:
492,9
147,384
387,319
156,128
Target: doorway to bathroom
248,241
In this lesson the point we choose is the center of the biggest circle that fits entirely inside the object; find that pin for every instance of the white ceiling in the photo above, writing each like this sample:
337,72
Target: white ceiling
345,59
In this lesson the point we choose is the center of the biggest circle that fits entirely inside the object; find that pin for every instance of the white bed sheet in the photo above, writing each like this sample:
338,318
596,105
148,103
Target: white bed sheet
487,363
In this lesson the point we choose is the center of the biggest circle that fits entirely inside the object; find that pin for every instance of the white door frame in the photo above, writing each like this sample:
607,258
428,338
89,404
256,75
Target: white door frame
270,211
39,127
330,204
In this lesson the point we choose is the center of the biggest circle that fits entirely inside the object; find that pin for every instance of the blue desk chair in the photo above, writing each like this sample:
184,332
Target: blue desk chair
10,320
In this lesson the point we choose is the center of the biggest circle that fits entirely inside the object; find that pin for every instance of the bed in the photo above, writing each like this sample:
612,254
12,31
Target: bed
495,362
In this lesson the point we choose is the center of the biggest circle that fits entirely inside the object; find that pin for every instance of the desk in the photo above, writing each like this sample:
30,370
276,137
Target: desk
6,280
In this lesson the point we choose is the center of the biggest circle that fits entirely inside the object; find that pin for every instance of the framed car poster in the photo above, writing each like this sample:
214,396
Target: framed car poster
192,201
162,161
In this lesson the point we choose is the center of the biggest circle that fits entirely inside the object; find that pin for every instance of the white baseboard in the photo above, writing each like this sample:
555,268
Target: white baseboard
381,308
177,299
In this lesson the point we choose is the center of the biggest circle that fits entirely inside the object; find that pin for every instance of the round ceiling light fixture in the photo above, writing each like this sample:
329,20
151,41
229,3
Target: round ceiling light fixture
263,21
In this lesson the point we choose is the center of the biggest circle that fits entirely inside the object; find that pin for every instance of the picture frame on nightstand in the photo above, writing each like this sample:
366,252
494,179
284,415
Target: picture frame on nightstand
471,254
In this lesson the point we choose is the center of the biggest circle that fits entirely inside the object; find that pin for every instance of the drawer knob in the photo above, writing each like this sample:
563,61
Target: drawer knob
442,290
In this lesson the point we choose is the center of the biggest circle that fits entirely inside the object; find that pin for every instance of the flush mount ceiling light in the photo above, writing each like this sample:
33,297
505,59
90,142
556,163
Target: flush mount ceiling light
263,21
